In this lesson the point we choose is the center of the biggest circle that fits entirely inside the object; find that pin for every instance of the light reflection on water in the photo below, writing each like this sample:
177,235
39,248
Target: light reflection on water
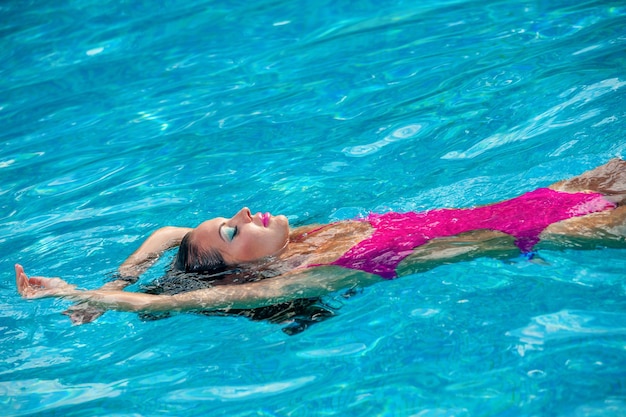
119,118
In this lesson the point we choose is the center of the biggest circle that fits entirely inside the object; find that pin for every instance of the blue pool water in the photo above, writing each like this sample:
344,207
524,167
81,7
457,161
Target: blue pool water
121,117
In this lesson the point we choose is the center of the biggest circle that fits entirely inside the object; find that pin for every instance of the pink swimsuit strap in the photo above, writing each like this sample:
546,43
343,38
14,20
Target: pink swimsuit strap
525,217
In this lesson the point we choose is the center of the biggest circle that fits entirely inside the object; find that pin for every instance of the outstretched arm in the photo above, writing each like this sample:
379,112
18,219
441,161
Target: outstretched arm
309,283
130,270
609,179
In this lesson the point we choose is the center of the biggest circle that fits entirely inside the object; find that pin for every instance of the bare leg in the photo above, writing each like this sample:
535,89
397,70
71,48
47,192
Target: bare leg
607,228
608,179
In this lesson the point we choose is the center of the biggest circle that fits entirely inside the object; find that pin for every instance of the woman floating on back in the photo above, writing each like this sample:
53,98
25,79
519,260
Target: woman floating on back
254,261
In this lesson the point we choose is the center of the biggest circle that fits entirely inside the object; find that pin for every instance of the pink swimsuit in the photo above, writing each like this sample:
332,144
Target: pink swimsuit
525,217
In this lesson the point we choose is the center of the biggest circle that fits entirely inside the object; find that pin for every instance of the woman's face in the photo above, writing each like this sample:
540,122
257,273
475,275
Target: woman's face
243,237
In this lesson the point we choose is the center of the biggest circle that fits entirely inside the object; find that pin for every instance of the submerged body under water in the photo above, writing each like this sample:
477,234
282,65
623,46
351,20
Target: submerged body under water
121,118
294,316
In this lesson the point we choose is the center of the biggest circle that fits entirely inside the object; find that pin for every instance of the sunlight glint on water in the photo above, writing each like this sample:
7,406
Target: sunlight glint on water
122,117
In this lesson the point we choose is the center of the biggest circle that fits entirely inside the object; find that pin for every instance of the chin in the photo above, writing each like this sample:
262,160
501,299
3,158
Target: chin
281,223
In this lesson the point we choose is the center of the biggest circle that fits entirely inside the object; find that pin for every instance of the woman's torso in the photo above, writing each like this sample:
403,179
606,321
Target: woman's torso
379,243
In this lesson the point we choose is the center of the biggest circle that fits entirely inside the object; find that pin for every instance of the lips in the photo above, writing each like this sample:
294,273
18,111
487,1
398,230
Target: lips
265,218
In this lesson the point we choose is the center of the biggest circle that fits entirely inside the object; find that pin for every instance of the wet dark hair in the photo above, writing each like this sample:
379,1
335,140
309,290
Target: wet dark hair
194,269
191,259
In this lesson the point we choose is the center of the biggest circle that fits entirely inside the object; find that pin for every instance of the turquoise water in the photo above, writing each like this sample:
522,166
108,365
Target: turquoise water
121,117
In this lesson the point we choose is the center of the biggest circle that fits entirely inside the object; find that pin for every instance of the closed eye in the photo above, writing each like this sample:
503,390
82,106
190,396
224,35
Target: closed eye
228,233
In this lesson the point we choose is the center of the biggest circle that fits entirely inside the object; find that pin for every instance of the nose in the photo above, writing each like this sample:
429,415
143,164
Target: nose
243,215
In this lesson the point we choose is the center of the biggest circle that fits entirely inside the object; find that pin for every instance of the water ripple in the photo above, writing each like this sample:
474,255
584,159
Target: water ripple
239,392
568,324
402,133
546,121
344,350
120,117
26,397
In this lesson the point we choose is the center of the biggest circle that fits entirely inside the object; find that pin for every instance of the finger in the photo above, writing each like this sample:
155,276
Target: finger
46,283
80,316
27,287
21,280
39,282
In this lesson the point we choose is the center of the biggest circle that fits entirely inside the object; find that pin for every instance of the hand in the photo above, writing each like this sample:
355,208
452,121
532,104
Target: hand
83,313
40,287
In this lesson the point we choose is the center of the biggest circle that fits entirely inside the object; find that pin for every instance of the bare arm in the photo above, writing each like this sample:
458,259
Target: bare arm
312,282
130,270
139,261
303,284
319,281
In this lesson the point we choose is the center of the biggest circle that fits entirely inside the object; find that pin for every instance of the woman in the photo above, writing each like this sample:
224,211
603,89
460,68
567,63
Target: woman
256,260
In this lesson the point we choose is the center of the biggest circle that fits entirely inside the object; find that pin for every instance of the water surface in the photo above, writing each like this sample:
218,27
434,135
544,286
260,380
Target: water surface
122,117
